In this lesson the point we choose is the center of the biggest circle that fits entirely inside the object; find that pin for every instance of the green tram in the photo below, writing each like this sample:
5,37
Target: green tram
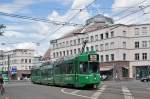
80,71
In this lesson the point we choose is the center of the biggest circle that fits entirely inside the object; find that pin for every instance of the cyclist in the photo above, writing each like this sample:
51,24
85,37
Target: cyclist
1,84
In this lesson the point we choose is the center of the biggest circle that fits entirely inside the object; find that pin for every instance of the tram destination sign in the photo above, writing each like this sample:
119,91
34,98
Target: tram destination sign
93,58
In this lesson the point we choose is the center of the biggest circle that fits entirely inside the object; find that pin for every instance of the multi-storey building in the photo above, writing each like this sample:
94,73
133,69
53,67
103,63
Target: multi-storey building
19,62
123,49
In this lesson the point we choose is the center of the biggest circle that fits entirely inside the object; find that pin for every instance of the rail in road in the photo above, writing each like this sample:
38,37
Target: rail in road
125,90
113,92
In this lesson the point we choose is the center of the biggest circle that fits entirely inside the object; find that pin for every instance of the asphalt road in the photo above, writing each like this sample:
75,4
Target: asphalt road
107,90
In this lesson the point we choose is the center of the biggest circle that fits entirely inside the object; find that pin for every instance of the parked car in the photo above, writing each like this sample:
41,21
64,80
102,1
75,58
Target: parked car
145,79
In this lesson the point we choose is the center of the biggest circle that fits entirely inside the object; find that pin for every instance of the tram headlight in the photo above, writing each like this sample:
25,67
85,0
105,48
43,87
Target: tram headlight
87,77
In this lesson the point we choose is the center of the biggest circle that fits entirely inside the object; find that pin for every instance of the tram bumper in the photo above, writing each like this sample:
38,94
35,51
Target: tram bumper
89,80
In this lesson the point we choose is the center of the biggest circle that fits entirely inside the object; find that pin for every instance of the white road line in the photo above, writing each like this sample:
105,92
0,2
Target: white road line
148,88
127,93
99,92
62,90
74,92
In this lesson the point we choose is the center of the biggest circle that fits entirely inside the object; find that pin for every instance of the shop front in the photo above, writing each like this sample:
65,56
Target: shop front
142,71
117,70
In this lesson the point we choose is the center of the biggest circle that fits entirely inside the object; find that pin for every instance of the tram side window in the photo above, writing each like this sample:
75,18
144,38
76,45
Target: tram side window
57,69
83,67
50,73
67,68
70,68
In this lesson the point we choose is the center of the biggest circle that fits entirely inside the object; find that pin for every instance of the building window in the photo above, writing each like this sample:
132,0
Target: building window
67,52
71,43
75,51
82,40
26,60
54,55
79,41
87,38
22,60
137,32
106,46
60,54
74,42
112,57
144,30
60,45
124,44
57,54
79,50
102,58
144,44
87,49
107,58
64,53
112,45
101,36
96,37
70,52
144,56
29,60
96,47
102,47
106,35
136,44
67,43
92,48
56,45
124,33
137,57
92,38
124,56
53,45
112,33
63,44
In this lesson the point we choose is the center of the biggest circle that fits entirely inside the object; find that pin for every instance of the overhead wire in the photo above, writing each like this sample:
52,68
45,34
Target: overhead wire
128,8
68,20
39,19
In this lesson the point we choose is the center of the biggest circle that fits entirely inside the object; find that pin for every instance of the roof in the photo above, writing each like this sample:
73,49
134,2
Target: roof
47,55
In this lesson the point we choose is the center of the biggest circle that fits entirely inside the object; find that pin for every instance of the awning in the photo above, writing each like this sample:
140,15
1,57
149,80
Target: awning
105,68
126,67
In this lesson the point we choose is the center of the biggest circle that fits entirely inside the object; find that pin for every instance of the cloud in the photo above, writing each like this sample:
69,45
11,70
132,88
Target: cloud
27,45
16,5
13,34
119,10
45,31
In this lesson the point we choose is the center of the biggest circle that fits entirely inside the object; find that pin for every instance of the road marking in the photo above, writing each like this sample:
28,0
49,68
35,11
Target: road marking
9,85
76,91
148,88
99,92
127,93
63,91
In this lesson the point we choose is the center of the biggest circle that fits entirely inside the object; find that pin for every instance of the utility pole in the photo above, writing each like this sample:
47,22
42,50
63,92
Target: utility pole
8,67
83,47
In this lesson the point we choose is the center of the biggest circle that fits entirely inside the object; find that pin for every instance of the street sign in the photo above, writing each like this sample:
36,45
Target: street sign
14,70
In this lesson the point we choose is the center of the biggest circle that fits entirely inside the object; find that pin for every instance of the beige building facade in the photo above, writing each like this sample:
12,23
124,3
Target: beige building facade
124,50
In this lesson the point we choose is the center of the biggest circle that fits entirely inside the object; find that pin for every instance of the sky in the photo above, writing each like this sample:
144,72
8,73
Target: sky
29,34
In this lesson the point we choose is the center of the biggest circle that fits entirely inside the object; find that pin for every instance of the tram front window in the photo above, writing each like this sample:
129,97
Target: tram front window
83,67
93,67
